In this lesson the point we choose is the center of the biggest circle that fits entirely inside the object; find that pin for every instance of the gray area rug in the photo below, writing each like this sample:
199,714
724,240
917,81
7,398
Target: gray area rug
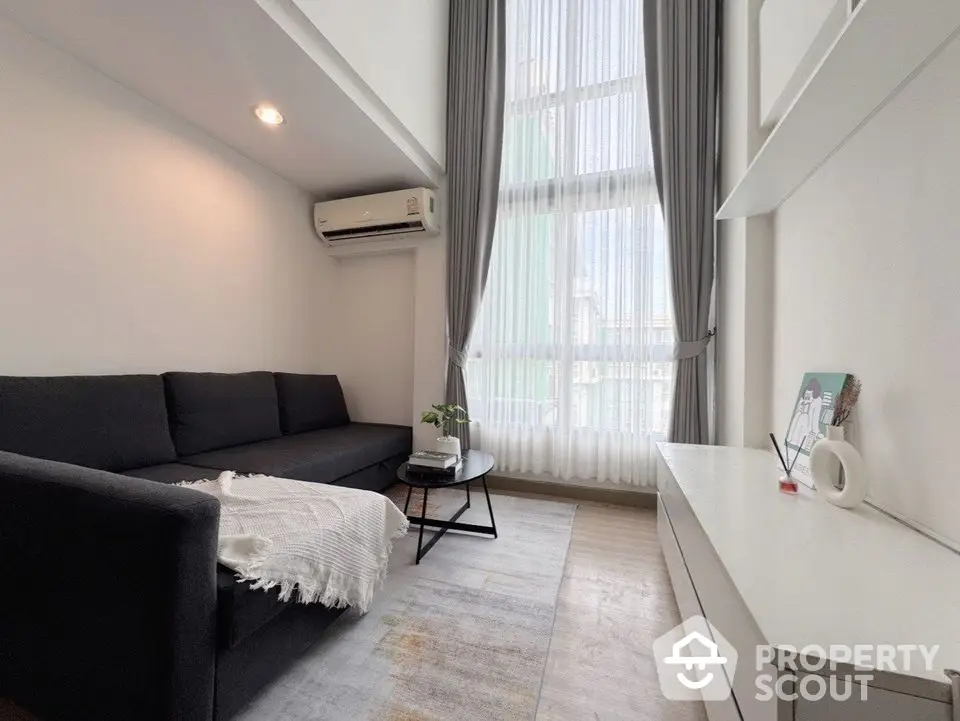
463,636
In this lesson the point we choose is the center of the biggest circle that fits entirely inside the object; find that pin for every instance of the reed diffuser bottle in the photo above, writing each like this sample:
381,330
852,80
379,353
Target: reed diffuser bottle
787,482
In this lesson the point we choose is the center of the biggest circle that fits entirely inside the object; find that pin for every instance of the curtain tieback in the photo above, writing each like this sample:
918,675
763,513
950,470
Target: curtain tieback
457,357
692,348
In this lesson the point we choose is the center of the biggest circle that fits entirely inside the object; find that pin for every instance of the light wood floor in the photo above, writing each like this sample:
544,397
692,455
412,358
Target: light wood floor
614,601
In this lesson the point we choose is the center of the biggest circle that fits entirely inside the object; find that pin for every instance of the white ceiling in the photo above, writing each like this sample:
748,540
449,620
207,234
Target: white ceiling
211,61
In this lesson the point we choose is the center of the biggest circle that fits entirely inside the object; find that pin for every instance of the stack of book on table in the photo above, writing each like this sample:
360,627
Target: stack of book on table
434,463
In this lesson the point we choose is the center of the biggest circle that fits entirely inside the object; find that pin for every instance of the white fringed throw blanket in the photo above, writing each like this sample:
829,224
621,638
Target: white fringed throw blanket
319,543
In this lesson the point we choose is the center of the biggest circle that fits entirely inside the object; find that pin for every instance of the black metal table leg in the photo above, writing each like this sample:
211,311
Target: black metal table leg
407,504
451,524
493,523
423,514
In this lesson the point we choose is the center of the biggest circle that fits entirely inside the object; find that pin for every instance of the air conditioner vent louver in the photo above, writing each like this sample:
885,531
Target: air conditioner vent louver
383,229
371,217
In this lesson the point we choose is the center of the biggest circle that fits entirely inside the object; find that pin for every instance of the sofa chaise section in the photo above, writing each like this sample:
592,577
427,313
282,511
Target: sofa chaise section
110,606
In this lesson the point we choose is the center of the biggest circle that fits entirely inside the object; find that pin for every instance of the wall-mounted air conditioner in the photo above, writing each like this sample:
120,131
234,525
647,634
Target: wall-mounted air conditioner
375,217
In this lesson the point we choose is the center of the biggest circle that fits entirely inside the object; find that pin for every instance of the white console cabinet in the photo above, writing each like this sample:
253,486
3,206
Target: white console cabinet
769,569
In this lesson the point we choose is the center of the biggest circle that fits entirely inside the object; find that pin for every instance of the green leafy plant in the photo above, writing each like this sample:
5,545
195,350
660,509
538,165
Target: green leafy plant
444,416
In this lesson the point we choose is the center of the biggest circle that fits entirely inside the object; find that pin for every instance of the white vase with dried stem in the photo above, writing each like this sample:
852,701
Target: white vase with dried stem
831,469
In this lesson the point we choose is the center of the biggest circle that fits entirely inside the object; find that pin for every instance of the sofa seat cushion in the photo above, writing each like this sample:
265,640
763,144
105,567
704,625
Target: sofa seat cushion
218,410
323,456
105,422
375,478
172,473
240,610
310,402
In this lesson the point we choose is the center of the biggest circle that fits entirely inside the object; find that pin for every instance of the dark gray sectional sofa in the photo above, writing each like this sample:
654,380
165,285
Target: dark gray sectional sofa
112,603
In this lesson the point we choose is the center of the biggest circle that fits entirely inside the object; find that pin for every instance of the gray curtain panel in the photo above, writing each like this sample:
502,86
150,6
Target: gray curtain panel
475,92
681,43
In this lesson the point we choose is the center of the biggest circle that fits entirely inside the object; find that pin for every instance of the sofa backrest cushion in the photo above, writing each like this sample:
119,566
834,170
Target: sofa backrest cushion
217,410
310,402
108,422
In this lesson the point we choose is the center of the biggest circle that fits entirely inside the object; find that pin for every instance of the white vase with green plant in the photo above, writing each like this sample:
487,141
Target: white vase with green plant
444,416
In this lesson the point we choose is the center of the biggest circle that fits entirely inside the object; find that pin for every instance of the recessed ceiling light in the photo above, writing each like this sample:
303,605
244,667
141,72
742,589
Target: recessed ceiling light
268,115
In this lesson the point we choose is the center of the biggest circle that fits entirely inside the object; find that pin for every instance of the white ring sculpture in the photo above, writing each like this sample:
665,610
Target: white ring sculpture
822,468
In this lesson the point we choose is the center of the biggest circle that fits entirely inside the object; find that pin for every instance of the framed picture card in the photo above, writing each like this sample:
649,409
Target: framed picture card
813,411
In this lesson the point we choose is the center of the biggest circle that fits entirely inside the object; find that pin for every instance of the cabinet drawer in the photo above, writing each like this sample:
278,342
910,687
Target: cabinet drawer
720,601
679,578
687,601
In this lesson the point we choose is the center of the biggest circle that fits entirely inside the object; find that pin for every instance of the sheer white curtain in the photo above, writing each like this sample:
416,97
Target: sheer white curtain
569,371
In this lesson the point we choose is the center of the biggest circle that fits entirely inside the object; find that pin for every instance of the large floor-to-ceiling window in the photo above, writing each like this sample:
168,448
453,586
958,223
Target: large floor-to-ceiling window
569,371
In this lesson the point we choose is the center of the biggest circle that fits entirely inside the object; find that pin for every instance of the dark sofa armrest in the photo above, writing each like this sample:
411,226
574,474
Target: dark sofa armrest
108,601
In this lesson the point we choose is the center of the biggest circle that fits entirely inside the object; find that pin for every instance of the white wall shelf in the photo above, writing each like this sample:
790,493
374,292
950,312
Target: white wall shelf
794,36
883,45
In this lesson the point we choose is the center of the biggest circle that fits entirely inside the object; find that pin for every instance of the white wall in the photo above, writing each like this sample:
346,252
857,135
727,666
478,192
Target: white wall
430,331
744,249
393,360
399,48
130,241
866,268
375,341
391,342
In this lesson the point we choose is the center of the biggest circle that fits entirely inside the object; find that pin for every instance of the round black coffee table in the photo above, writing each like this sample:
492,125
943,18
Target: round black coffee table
476,464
